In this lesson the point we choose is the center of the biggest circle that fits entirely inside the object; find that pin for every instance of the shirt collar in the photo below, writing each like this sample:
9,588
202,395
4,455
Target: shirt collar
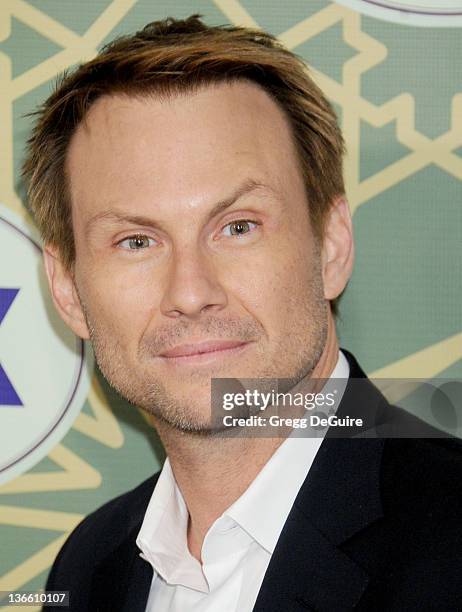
162,537
261,510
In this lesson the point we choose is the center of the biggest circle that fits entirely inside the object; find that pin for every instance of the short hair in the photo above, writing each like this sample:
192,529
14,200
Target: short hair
169,57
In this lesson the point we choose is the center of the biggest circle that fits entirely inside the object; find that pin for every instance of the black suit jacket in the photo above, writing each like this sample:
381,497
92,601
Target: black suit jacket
377,525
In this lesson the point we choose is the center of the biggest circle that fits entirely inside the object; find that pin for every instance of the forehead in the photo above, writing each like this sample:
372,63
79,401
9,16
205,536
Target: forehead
208,139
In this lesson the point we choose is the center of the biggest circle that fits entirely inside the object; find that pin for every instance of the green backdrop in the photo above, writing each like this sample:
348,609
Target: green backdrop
398,92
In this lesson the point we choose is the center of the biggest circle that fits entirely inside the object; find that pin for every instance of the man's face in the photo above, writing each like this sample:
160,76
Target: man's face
191,227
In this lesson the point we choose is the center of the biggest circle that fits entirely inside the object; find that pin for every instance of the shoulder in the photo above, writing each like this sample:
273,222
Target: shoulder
423,476
125,510
441,458
99,534
118,516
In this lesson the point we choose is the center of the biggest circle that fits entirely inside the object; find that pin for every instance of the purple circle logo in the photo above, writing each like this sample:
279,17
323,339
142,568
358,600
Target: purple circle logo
45,370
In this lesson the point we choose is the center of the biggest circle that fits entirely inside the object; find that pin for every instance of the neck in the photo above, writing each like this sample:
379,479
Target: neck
212,473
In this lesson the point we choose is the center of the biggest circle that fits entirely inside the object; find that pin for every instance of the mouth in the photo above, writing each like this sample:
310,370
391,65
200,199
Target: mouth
203,352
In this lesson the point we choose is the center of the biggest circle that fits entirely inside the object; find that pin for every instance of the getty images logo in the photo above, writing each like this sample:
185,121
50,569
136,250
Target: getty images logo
44,368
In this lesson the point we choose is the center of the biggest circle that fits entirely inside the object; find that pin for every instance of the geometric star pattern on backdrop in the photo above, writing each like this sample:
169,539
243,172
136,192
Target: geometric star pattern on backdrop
102,426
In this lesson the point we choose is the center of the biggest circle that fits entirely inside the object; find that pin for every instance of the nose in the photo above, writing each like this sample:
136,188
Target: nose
192,286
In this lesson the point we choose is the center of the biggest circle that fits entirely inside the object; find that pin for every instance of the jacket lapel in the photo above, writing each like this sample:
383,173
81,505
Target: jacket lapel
122,579
138,582
340,497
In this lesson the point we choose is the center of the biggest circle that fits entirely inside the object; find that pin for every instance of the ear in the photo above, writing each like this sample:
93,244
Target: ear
64,293
337,249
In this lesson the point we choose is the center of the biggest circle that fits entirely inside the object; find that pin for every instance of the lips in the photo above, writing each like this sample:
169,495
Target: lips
199,348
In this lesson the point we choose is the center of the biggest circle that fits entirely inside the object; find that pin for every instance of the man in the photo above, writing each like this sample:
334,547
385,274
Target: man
188,186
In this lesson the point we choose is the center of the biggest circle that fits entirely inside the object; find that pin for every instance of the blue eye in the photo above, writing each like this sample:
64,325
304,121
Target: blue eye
136,243
239,227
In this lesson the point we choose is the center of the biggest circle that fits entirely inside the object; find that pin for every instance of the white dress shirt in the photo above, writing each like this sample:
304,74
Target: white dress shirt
238,546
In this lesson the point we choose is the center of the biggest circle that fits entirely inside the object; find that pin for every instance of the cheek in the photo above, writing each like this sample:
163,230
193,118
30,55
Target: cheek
275,286
118,303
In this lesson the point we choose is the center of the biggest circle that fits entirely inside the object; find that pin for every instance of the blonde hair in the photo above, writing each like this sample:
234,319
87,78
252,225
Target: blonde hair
168,57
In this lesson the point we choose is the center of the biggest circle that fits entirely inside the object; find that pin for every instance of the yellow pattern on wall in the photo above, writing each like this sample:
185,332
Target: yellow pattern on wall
77,473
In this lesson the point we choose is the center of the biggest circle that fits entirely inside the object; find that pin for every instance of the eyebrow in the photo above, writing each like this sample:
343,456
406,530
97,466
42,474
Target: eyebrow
117,217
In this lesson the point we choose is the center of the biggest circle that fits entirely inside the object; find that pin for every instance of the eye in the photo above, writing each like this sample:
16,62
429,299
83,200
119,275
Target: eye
136,243
239,227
